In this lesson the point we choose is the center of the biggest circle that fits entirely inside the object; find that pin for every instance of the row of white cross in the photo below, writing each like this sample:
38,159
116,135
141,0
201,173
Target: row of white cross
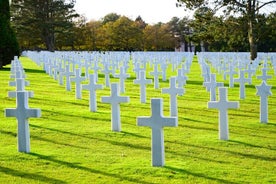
22,112
228,66
157,121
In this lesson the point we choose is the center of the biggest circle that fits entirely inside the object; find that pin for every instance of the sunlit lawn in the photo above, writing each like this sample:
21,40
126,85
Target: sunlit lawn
70,144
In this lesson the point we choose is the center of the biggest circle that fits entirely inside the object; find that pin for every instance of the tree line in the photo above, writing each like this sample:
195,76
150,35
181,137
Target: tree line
54,25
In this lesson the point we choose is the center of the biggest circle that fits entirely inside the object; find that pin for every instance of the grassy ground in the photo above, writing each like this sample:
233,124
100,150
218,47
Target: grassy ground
69,144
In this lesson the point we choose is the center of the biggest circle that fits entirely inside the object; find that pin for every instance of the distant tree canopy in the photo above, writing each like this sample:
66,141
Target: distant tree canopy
39,22
248,9
8,43
62,29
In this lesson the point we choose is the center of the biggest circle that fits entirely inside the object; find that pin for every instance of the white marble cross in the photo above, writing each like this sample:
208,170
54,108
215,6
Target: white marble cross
264,75
223,105
92,87
157,121
96,68
18,75
155,75
242,80
67,75
173,91
115,99
20,86
78,79
250,71
60,74
106,71
212,85
180,78
206,71
22,112
143,82
122,76
137,69
264,91
231,74
164,67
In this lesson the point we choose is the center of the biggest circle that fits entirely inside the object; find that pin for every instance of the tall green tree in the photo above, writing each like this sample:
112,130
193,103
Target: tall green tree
8,43
43,19
248,8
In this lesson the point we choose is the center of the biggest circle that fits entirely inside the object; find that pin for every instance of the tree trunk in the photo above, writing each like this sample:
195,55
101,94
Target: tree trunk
49,41
252,29
252,41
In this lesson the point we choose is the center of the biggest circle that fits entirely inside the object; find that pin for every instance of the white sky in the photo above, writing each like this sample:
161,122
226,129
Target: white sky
151,11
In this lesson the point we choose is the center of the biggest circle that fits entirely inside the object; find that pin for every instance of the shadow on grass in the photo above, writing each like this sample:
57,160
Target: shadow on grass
117,143
8,133
200,175
27,70
200,83
5,69
35,177
247,155
251,145
90,170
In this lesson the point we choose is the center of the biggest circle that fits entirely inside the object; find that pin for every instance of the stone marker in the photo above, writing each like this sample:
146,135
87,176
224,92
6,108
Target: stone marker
143,82
92,87
264,75
164,67
180,78
67,75
212,85
122,76
106,71
157,121
60,74
20,86
78,79
137,69
173,91
242,80
115,101
155,75
223,105
263,91
18,75
231,74
22,112
96,68
250,71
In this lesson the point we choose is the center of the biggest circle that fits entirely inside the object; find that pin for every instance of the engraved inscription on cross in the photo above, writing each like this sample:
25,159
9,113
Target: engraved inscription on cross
223,105
157,121
22,112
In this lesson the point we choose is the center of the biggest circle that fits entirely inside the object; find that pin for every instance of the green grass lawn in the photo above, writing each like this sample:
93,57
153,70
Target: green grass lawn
70,144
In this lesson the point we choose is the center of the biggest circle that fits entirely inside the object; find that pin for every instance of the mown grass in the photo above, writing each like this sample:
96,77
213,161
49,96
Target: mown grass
69,144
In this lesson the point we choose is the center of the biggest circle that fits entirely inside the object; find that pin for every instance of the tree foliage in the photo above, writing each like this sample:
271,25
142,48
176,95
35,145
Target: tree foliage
42,21
8,42
248,9
115,32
